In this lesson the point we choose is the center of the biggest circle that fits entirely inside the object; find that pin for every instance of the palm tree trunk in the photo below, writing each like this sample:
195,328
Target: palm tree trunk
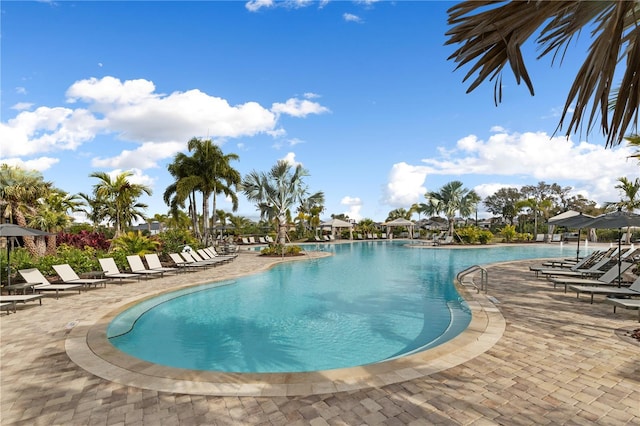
29,243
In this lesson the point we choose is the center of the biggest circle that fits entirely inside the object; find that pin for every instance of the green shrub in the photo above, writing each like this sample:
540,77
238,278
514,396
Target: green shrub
485,236
278,249
509,233
173,240
135,243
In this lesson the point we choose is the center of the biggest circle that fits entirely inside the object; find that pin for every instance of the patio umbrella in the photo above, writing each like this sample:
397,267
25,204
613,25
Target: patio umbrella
9,230
577,220
617,219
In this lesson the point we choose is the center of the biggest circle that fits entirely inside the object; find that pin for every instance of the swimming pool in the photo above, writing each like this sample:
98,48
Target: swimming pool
372,301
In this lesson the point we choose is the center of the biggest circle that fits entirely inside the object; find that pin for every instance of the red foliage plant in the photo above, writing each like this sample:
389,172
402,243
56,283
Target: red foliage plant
84,238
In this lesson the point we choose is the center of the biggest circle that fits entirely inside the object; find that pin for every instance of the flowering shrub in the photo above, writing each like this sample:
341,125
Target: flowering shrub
82,239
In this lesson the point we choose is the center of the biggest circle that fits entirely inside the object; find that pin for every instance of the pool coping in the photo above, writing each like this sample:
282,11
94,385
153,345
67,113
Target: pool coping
88,347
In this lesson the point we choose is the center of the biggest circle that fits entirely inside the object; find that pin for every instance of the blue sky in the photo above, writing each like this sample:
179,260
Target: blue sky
360,93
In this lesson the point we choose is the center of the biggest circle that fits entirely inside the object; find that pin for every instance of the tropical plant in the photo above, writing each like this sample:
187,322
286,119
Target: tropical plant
53,214
503,203
491,35
508,233
120,199
208,171
84,238
634,142
452,198
279,191
20,191
135,243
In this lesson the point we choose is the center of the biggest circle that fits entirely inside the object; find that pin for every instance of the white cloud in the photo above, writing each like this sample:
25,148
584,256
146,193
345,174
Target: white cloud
133,111
405,186
144,157
138,177
40,164
21,106
354,205
255,5
586,167
497,129
298,108
21,90
290,158
349,17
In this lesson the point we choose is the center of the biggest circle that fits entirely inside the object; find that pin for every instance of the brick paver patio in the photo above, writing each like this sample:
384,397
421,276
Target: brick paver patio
560,360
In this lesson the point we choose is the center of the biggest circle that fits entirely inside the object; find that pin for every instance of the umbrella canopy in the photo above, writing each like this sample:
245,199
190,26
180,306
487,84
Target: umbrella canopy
11,230
617,219
572,219
338,223
8,230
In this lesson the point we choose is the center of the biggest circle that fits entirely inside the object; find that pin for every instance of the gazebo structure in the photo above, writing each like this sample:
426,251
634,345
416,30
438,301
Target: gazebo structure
337,224
400,222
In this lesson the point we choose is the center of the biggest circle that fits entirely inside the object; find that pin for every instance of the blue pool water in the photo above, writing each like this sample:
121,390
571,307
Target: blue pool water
371,302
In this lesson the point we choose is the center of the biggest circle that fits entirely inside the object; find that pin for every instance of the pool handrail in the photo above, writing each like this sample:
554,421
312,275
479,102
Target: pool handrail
484,277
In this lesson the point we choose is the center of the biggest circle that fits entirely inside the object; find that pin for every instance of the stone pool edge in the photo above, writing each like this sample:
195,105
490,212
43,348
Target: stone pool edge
88,347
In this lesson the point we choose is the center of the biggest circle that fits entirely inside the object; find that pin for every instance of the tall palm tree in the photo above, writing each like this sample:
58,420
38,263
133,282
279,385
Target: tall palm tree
453,197
631,201
491,35
277,192
208,171
19,193
634,141
53,214
122,198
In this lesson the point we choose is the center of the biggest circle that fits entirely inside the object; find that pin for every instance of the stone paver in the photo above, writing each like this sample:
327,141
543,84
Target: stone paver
559,361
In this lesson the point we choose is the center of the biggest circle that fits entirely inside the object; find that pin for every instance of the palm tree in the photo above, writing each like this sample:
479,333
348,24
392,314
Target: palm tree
53,214
208,171
452,198
277,192
19,193
491,35
634,141
399,213
631,201
121,197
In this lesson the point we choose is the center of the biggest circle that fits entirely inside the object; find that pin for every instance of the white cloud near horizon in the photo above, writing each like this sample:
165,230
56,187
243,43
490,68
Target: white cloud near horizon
133,111
350,17
354,206
589,169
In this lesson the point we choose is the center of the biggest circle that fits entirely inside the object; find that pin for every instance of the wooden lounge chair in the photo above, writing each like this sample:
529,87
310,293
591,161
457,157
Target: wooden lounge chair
40,283
606,279
137,267
633,290
153,261
69,276
108,265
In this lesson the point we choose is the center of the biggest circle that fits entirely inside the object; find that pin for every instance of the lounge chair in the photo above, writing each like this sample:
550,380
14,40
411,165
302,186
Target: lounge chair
592,271
262,240
153,261
585,262
111,270
556,238
206,255
214,254
8,306
40,282
624,303
20,298
607,278
633,290
191,261
69,276
539,238
269,239
446,240
137,267
252,240
181,263
198,258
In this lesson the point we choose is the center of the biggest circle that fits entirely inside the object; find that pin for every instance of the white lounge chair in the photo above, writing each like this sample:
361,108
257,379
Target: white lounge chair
137,267
40,282
20,298
633,290
181,263
153,261
108,265
69,276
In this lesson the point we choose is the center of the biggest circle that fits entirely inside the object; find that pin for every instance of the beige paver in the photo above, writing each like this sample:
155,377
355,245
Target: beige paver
554,359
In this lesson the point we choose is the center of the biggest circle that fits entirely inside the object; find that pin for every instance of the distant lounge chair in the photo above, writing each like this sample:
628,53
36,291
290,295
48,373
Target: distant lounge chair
624,303
606,279
181,263
205,255
40,282
262,240
214,254
20,298
556,238
69,276
252,240
108,265
269,239
197,261
446,240
153,261
633,290
593,271
137,267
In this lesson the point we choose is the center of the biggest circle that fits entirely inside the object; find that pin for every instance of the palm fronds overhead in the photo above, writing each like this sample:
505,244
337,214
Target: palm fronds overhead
491,34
